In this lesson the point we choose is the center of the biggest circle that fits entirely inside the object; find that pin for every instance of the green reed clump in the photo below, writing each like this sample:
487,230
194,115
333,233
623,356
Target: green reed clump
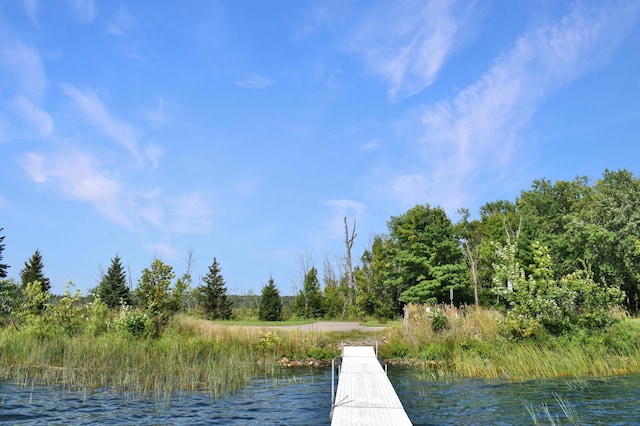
216,362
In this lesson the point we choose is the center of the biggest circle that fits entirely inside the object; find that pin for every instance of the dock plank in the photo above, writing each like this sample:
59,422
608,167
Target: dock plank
365,396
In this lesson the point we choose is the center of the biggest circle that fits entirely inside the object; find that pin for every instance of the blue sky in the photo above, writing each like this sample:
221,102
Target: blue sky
247,130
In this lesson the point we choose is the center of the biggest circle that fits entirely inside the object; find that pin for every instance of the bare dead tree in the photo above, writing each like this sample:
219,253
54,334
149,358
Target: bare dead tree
190,262
129,276
191,302
471,255
348,241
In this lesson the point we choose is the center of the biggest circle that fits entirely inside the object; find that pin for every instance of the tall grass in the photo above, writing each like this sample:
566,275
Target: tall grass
191,355
471,346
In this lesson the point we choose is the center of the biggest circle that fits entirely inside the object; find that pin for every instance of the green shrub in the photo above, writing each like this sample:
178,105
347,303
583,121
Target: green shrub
97,317
438,319
133,323
267,343
436,352
321,353
396,348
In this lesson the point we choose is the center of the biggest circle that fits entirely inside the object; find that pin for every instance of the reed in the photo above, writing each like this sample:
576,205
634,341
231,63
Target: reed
471,346
191,355
217,363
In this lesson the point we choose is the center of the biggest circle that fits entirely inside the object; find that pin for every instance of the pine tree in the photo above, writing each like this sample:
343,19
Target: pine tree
3,267
213,294
33,271
270,304
113,289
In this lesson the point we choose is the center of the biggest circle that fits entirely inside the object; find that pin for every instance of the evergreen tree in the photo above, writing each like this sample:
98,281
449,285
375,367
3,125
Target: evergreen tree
212,295
3,267
309,303
33,271
113,289
270,304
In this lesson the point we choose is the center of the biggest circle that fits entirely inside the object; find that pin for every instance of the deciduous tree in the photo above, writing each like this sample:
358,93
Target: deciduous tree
427,258
154,291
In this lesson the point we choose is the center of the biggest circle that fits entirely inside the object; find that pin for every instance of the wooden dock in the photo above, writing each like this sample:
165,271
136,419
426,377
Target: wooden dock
365,396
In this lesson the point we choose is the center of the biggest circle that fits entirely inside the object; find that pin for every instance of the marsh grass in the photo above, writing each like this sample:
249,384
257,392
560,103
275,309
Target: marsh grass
471,346
192,355
542,414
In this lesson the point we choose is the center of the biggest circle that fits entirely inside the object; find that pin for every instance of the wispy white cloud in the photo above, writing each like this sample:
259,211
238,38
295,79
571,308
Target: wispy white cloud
409,189
157,114
338,210
31,9
92,107
408,42
153,153
36,116
317,16
255,82
476,134
76,175
163,250
83,10
25,67
121,23
370,145
25,71
191,214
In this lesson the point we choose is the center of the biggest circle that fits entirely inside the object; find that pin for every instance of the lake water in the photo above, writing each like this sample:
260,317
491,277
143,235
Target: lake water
303,398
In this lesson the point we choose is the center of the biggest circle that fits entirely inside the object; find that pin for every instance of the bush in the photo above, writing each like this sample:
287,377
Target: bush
438,319
321,353
133,323
396,348
436,352
267,343
97,319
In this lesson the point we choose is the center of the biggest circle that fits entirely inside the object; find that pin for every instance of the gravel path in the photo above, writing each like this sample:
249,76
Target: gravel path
330,326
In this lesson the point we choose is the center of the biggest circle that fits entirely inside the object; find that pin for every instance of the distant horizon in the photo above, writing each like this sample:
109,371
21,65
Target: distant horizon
247,131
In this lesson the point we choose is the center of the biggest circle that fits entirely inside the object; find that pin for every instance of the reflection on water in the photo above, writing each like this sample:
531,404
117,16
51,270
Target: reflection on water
303,398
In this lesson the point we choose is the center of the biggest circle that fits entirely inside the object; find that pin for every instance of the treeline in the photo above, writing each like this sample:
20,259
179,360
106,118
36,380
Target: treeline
560,256
112,305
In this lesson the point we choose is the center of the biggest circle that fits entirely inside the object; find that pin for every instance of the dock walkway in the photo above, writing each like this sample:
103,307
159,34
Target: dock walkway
365,396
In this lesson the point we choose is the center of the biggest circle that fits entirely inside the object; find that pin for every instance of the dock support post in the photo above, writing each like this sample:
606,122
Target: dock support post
333,382
376,349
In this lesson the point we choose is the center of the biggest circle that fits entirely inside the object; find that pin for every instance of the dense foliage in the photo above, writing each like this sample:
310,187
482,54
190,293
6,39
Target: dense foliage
556,260
309,303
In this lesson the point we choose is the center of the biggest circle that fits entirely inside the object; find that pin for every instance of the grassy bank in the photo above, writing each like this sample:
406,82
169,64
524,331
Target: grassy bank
471,345
194,354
